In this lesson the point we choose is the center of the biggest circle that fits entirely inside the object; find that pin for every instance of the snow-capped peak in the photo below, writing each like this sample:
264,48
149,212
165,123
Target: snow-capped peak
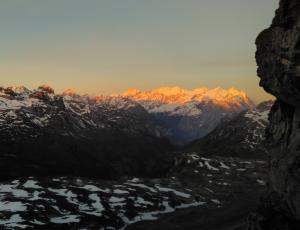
70,92
46,88
176,95
131,92
170,91
19,89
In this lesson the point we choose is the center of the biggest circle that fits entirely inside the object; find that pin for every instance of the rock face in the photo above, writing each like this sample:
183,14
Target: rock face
278,59
243,136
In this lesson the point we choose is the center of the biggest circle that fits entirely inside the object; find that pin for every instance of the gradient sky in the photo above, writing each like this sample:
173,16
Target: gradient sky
107,46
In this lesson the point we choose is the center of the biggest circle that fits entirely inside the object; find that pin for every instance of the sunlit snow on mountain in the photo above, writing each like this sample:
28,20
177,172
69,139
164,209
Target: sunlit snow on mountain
185,115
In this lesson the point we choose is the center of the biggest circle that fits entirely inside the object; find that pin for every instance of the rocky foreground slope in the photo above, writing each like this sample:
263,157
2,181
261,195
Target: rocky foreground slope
278,59
242,136
194,184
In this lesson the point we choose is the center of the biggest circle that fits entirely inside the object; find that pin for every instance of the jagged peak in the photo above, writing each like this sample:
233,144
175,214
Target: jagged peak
70,92
19,89
131,92
168,91
179,95
15,91
201,90
229,98
237,92
46,88
265,105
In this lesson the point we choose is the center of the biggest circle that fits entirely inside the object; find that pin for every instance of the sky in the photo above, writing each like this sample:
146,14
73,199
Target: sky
107,46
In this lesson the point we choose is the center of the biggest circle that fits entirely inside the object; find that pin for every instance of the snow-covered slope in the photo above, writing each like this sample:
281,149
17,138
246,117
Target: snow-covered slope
185,115
242,136
78,203
23,111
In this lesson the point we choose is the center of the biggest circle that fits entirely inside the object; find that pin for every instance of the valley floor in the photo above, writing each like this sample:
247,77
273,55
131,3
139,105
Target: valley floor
198,193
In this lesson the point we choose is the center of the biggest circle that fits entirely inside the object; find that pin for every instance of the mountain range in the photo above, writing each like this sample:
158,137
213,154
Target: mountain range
107,136
177,114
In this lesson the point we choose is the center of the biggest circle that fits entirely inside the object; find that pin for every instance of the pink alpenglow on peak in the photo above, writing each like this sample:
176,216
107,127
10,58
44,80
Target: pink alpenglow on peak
170,91
19,89
227,99
131,92
70,92
46,88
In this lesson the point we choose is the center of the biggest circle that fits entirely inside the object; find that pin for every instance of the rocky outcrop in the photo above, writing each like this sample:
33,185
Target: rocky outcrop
278,59
242,136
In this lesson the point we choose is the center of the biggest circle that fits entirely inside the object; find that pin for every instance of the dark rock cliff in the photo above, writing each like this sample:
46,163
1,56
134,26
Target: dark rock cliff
278,59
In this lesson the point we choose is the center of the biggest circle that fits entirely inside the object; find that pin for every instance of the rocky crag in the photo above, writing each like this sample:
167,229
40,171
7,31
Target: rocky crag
242,136
278,59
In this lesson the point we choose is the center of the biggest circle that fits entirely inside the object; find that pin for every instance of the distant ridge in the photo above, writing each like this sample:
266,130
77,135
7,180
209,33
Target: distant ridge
171,95
168,95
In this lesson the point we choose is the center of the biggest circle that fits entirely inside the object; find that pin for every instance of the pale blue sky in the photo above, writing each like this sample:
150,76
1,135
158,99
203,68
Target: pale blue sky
107,46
